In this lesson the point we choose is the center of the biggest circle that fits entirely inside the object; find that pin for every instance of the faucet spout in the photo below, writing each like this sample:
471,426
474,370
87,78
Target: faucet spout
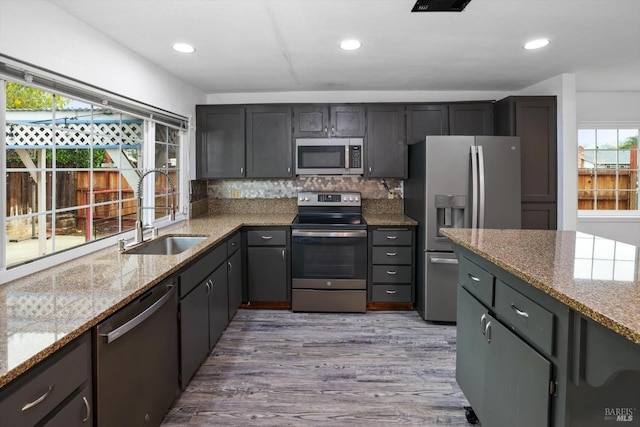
139,238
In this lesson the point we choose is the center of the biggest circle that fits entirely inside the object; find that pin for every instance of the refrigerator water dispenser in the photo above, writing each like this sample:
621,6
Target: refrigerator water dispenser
450,212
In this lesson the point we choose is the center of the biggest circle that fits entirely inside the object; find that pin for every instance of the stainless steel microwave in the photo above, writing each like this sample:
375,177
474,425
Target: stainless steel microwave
329,156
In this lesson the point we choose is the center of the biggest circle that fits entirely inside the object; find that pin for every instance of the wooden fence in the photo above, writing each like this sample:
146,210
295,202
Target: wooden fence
615,191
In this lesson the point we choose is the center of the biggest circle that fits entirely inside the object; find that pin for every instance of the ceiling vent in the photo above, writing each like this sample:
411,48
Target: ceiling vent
440,5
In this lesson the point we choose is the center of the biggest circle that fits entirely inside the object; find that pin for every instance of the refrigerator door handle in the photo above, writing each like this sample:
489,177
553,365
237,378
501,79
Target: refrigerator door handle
474,187
481,186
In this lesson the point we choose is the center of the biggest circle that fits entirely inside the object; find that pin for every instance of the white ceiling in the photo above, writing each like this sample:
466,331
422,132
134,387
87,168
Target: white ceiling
292,45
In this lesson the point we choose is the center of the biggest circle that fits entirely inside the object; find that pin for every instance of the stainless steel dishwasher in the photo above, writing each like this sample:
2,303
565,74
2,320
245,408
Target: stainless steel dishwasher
136,360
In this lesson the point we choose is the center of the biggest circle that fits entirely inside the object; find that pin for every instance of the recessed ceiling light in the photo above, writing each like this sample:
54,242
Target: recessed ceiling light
350,45
183,48
536,44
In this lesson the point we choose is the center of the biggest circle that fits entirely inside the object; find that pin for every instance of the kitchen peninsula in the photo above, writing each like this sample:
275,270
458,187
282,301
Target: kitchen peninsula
548,327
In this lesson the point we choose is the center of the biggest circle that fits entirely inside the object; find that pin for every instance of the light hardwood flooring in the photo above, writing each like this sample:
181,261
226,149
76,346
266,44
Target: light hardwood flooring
278,368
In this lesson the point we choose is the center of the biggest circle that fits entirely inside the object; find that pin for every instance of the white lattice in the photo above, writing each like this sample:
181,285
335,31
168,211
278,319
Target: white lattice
75,134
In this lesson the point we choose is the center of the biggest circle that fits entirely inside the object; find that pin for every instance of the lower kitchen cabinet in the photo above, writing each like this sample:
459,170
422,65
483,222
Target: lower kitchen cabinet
391,266
234,274
55,392
203,310
268,265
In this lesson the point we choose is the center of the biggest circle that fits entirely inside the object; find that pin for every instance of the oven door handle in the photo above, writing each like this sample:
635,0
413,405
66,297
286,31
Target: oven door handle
328,233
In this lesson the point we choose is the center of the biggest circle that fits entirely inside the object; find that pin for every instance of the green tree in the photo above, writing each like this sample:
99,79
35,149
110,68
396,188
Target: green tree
631,141
25,97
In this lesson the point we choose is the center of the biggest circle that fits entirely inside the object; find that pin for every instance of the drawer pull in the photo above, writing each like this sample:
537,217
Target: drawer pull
39,400
519,312
392,253
266,237
392,291
452,261
392,272
88,408
483,324
474,278
392,237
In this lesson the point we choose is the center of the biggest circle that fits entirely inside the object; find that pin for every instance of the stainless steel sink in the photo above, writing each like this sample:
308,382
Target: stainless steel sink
166,245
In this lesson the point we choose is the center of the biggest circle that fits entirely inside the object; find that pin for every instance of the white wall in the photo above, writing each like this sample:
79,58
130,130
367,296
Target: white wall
39,33
615,109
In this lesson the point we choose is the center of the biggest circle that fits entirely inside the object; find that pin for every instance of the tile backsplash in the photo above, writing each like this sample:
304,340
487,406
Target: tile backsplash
289,188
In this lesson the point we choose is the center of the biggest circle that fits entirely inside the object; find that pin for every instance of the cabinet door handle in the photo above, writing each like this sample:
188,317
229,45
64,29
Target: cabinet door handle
39,400
392,253
392,237
519,312
266,237
488,331
209,286
369,169
289,170
483,324
474,278
391,291
242,171
284,255
88,409
230,266
326,130
392,272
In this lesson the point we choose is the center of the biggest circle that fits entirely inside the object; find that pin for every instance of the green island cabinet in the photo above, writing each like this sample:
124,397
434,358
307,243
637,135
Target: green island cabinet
525,359
55,392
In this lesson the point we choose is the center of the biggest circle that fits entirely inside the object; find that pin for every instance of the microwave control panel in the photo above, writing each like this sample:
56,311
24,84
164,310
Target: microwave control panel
356,156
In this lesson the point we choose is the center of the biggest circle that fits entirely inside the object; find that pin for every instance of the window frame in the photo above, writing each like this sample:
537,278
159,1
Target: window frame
606,214
181,125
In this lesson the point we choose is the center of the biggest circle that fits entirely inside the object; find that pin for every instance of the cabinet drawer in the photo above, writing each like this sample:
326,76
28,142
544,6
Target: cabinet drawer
533,321
196,272
266,238
233,244
51,382
392,255
391,293
77,412
391,274
477,280
390,237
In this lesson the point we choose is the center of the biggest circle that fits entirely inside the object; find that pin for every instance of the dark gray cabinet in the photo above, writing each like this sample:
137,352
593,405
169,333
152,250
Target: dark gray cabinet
385,144
269,142
328,120
391,266
234,273
220,141
426,119
534,120
471,118
268,265
55,392
203,309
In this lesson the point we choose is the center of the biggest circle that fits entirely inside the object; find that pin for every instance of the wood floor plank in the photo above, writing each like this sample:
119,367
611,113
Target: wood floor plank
278,368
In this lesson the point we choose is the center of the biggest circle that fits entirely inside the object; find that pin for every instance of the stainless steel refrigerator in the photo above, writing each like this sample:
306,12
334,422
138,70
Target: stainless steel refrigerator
462,182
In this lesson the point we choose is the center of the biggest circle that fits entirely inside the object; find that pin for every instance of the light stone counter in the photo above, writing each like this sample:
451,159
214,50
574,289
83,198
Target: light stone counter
393,219
42,312
597,277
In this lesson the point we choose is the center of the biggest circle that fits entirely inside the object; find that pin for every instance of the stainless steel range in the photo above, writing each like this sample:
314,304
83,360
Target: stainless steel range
329,254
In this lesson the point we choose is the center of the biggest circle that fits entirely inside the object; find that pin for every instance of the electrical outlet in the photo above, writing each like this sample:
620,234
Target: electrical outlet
390,195
235,193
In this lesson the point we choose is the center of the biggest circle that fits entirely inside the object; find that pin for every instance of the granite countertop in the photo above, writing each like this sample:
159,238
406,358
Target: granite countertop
42,312
381,219
597,277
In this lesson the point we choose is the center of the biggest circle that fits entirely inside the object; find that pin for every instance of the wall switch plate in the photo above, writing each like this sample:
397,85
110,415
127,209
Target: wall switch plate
235,193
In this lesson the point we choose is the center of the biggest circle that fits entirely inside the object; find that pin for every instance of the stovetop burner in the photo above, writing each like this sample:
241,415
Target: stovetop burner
329,210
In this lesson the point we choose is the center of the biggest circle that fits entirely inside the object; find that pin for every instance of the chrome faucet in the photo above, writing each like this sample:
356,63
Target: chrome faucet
139,227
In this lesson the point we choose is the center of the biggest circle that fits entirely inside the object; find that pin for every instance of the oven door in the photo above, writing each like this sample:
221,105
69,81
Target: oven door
329,259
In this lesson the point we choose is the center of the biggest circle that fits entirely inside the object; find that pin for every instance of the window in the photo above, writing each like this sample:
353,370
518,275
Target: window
72,170
608,169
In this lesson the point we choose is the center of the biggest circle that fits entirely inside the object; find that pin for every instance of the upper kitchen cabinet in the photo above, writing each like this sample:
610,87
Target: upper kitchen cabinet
471,118
269,142
426,119
325,121
220,139
386,148
534,120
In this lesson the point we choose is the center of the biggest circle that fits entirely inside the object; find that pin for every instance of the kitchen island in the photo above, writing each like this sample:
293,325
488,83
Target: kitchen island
548,327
